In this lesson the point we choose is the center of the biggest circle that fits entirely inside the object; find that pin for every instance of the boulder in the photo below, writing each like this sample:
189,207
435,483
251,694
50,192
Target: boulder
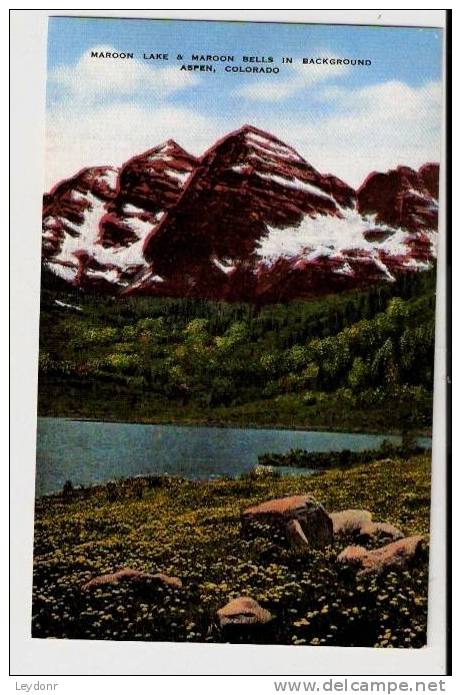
358,523
127,574
350,521
396,555
314,522
243,611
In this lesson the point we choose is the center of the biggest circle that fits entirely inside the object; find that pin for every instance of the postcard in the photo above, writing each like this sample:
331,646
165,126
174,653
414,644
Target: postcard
236,369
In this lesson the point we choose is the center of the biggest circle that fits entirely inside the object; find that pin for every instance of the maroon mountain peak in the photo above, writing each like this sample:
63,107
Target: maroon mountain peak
401,197
169,148
250,218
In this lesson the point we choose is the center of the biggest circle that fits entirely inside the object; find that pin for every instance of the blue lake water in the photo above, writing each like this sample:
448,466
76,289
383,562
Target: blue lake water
94,452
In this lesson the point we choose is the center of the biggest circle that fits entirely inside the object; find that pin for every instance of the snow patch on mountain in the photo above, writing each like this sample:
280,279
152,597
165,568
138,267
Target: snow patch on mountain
299,185
85,238
130,209
225,266
345,269
139,226
182,176
270,146
64,305
110,177
339,238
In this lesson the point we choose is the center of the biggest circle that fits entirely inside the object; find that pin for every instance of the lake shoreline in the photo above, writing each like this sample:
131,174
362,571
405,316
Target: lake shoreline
219,424
87,452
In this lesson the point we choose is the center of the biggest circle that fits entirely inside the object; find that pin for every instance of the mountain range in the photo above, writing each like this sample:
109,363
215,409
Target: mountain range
250,220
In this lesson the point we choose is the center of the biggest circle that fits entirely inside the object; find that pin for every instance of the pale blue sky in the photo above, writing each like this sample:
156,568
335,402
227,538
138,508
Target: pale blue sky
301,106
412,55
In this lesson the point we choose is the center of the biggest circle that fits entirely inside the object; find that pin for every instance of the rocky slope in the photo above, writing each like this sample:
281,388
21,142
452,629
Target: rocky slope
250,220
95,223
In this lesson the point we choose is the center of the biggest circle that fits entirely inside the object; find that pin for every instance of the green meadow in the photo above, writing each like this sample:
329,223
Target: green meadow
192,530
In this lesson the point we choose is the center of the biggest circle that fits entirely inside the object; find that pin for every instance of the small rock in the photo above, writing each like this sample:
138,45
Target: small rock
243,611
166,579
315,523
296,535
130,575
394,555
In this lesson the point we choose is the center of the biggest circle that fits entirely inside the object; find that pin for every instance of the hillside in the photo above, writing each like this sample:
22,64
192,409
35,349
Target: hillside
189,360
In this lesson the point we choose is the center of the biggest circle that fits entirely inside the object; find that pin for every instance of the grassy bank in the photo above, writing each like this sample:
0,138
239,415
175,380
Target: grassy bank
322,460
288,411
192,530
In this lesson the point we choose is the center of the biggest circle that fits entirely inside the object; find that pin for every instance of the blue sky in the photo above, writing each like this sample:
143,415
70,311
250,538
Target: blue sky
345,120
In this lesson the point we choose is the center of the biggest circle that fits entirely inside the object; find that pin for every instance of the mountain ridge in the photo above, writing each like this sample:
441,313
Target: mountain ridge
250,219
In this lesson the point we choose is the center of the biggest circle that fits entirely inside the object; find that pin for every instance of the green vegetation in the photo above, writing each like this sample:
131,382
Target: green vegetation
301,458
360,360
192,530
